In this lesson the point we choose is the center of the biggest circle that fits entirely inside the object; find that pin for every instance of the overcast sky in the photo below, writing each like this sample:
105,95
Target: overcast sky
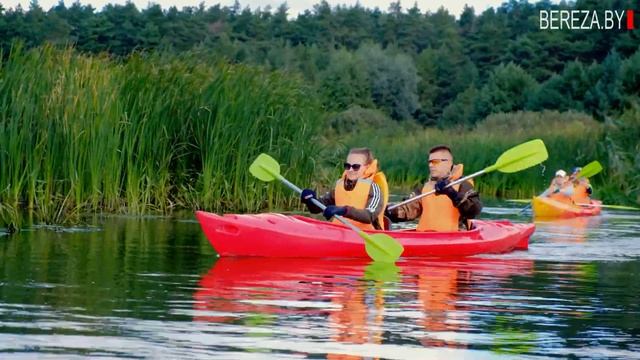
295,6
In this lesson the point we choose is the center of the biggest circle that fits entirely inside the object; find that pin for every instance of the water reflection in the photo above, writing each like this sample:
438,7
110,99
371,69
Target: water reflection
132,288
352,301
574,230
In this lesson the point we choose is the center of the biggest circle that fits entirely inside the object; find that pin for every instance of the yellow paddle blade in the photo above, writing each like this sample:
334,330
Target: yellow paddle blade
381,247
265,168
520,157
590,169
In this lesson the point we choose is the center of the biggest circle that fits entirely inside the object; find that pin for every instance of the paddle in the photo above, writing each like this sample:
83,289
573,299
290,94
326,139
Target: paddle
620,207
380,247
589,170
523,201
517,158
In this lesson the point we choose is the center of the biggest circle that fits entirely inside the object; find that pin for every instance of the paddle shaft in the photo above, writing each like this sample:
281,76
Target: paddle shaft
525,208
620,207
530,204
319,204
461,180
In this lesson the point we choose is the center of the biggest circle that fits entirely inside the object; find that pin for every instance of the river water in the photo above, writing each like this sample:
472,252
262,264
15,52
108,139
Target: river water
153,288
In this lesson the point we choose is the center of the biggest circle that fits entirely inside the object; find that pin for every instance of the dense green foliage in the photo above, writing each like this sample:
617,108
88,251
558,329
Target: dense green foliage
436,68
133,110
81,133
622,150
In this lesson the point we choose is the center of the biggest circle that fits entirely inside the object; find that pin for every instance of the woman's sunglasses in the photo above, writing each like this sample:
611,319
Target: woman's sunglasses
355,167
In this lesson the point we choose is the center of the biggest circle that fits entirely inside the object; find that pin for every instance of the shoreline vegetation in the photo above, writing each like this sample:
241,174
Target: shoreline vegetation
84,134
149,111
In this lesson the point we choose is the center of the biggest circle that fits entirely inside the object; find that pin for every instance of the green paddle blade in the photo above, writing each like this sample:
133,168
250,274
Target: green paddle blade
265,168
619,207
382,247
590,169
520,157
523,201
379,247
382,271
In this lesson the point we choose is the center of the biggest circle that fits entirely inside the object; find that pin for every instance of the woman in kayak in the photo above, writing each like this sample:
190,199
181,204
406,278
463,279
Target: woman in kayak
451,208
561,188
360,195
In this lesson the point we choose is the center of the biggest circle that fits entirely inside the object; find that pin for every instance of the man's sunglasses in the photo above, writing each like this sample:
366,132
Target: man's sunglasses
437,161
355,167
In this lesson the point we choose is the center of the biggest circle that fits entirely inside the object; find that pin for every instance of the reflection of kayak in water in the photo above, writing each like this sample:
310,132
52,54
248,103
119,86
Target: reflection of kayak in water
353,301
277,235
304,286
572,229
544,207
272,286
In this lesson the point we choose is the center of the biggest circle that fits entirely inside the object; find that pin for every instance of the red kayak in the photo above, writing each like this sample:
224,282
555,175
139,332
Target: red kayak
277,235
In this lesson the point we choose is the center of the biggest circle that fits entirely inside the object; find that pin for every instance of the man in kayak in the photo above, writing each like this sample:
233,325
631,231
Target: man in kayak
560,189
360,195
581,188
451,208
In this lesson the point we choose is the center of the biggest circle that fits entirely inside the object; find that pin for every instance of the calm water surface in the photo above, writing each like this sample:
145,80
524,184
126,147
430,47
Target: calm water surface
153,288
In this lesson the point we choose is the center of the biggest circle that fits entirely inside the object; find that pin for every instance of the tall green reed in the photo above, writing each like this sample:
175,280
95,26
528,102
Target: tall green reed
148,133
280,124
621,148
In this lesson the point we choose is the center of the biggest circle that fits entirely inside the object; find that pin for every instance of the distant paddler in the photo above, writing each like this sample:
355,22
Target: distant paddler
560,189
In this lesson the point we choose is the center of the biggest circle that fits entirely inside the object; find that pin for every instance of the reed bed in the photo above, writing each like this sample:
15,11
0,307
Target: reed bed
146,134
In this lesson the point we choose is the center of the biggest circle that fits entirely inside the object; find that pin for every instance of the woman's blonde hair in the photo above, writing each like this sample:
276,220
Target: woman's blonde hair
363,151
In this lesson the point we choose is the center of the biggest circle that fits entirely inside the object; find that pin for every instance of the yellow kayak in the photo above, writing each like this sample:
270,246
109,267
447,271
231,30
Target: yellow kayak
544,207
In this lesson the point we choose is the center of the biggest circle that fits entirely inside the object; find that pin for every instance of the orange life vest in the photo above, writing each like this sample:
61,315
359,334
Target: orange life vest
438,211
359,195
580,194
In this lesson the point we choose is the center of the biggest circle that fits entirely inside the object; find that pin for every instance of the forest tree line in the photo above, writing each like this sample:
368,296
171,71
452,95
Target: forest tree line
436,67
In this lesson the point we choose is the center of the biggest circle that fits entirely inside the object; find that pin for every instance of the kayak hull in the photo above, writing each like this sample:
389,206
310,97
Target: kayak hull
544,207
277,235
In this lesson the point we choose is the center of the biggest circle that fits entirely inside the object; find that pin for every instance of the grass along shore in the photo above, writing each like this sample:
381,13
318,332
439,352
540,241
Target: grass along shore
152,133
147,134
